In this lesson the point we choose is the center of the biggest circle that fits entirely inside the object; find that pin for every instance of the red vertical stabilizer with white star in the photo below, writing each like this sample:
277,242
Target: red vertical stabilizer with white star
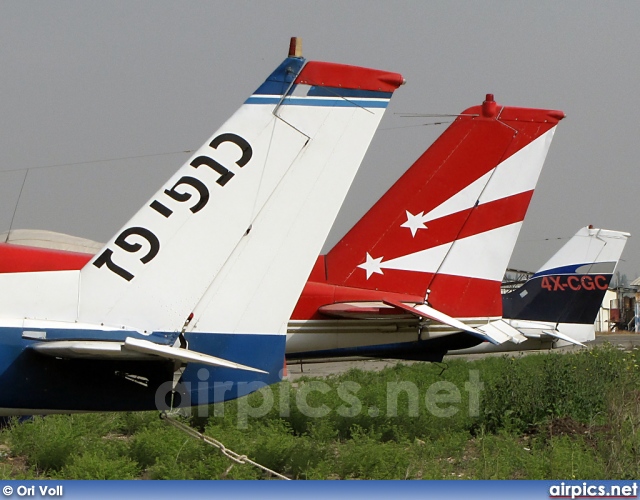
446,229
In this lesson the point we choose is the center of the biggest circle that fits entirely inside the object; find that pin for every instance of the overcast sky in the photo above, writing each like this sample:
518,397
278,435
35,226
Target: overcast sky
99,99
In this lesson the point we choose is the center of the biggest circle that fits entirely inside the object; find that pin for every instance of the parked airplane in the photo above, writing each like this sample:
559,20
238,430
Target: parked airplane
561,299
194,293
559,304
449,225
420,273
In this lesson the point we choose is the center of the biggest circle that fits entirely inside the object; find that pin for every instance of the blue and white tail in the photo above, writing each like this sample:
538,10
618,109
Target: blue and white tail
242,221
224,247
568,290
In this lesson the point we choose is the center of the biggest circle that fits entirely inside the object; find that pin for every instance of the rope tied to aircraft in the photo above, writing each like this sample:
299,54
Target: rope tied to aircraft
236,457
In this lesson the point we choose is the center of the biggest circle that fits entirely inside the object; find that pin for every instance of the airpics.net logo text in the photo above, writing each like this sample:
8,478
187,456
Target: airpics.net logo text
442,399
586,490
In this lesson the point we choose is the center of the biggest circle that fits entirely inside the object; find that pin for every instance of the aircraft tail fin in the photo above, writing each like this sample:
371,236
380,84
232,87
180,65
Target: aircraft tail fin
570,286
446,229
208,272
237,228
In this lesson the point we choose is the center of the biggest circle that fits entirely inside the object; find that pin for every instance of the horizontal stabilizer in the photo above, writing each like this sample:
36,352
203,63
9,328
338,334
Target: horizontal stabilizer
89,349
562,336
363,310
424,311
132,349
177,354
503,330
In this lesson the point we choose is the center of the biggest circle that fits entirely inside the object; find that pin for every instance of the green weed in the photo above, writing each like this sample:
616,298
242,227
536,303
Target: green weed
550,416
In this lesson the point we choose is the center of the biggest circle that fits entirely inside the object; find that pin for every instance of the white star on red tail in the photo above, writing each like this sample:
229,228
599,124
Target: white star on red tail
372,265
414,222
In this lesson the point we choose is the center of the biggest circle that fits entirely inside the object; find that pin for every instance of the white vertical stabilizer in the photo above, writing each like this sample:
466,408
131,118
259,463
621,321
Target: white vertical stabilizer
244,219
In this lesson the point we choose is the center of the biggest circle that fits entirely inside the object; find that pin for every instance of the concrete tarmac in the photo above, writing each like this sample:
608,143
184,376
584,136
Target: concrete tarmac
626,341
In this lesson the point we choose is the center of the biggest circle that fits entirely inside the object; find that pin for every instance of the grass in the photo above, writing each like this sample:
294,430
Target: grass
551,416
